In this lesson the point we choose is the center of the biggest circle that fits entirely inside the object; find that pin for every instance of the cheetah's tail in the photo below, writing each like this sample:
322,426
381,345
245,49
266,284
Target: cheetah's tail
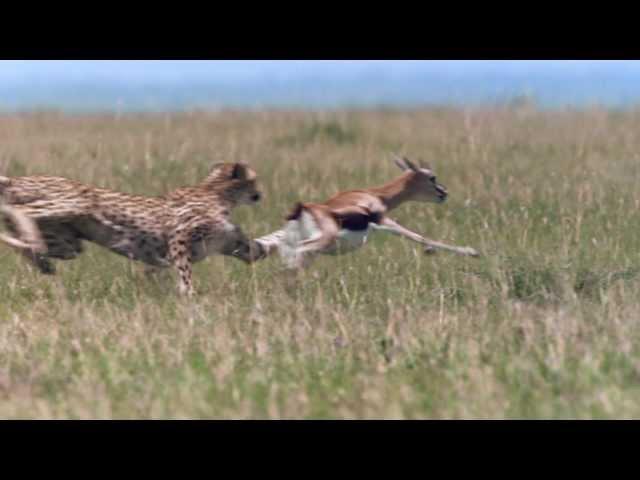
4,183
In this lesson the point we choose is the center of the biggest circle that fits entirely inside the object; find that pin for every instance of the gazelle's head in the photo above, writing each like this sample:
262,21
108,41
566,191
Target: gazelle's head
421,182
237,181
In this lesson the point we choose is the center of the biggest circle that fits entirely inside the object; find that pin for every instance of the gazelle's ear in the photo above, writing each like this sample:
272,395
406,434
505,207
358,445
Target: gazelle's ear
424,164
400,162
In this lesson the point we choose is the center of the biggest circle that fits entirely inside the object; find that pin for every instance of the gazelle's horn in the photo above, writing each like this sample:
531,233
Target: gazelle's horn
401,162
410,164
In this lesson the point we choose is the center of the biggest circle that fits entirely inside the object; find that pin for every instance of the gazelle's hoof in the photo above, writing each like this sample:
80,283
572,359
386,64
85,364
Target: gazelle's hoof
472,252
430,250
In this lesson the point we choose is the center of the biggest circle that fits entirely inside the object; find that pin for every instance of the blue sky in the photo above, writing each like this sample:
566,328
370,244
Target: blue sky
176,70
186,84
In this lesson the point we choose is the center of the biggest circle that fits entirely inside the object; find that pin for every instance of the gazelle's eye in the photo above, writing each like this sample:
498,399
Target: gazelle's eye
433,179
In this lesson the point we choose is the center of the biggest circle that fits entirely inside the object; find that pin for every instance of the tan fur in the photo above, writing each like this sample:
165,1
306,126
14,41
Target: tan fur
358,210
176,229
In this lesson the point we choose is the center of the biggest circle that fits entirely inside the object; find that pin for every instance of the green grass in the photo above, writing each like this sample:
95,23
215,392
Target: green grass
545,325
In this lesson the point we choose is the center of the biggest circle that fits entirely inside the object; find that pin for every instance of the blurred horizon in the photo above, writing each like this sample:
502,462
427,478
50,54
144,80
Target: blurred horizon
174,85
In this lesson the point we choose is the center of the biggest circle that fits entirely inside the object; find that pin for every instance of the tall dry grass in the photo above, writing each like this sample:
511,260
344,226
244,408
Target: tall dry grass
544,325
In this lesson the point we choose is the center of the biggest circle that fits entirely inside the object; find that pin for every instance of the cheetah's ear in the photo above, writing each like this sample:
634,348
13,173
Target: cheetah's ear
216,170
239,171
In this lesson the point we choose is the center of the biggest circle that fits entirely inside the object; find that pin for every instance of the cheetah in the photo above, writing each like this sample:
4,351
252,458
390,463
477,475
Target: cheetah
51,217
342,223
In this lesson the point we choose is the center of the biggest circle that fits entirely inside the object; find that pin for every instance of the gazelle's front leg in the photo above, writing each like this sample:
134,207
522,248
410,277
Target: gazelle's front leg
388,225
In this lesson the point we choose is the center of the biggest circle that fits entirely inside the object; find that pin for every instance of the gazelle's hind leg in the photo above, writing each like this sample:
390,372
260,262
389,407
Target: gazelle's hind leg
291,250
305,237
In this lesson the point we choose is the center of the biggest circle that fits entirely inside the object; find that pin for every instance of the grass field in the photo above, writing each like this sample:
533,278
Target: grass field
545,325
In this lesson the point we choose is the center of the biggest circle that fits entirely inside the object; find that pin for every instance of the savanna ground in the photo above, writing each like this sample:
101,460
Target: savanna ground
545,325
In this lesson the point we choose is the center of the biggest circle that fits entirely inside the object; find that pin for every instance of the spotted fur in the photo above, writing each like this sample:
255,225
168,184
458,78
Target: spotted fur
174,230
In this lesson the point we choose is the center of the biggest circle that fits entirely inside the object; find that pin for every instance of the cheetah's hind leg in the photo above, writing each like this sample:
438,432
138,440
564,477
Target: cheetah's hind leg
63,242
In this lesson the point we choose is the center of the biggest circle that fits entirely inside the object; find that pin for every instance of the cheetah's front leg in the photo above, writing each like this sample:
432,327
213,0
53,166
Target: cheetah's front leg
181,260
238,245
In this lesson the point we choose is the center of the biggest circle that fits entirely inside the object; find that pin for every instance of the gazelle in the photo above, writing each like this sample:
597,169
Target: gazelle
342,223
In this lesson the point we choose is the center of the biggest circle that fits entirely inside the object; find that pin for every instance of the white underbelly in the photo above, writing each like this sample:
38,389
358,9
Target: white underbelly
348,241
305,228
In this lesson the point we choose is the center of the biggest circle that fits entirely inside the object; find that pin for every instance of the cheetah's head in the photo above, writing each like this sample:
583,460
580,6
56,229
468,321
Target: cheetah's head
238,181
